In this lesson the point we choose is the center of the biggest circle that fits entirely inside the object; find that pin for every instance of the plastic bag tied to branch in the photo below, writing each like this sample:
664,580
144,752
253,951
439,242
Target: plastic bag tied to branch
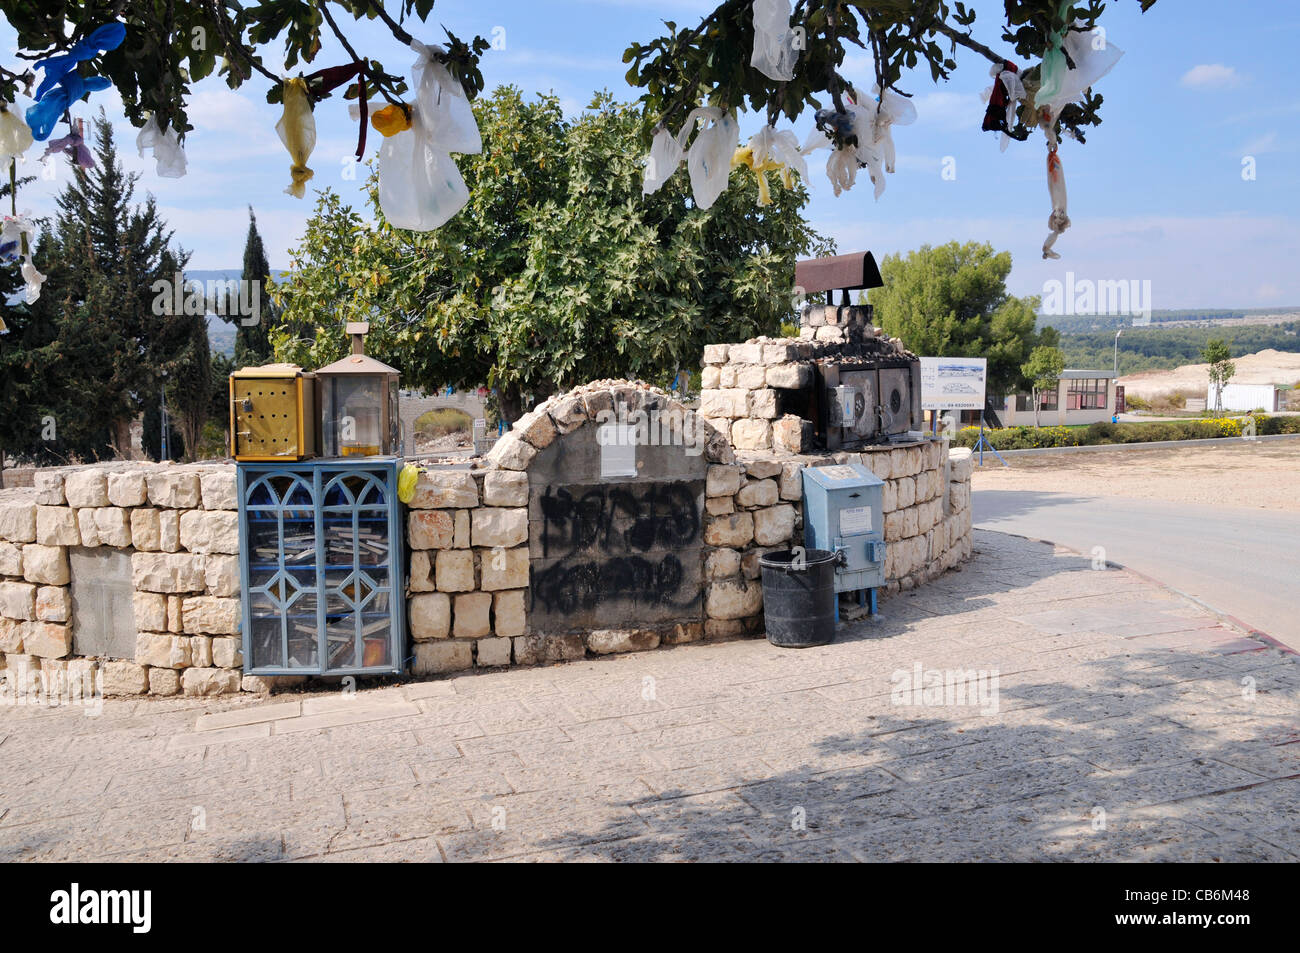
101,39
297,130
74,145
774,51
709,160
15,135
168,154
62,85
1093,57
42,115
771,151
16,239
1003,99
871,123
420,187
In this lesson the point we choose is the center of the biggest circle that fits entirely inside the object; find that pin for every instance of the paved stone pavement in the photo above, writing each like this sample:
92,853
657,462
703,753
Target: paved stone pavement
1129,725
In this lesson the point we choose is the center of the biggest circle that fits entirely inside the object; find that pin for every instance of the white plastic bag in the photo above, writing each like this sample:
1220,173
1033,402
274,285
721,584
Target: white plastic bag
1094,56
1058,221
448,115
168,153
420,187
892,110
15,135
774,50
781,148
666,154
709,158
842,165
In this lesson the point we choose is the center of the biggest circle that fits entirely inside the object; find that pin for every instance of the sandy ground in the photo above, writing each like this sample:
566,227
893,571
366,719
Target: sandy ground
1253,475
1262,367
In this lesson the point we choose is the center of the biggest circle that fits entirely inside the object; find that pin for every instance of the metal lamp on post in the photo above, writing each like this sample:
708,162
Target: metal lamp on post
359,398
1114,384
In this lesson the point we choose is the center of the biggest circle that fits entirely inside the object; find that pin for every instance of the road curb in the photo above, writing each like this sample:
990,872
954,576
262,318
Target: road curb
1151,445
1217,613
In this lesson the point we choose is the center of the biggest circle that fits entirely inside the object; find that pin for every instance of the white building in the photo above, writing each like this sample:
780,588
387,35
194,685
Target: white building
1270,397
1080,397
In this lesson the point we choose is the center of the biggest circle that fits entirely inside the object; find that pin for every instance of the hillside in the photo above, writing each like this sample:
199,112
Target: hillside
1166,347
1265,367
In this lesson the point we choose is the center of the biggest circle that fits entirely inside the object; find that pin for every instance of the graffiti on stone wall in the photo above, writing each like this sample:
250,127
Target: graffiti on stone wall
616,542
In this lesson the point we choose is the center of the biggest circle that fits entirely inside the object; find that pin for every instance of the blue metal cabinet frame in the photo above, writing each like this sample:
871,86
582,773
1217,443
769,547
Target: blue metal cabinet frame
322,567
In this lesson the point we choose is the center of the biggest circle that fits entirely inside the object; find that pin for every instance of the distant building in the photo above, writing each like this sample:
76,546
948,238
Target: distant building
1080,397
1269,397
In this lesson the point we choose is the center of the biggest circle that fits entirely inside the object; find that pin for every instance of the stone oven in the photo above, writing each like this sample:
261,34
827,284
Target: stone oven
843,384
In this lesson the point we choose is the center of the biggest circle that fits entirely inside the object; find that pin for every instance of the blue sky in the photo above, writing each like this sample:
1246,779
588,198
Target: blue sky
1156,194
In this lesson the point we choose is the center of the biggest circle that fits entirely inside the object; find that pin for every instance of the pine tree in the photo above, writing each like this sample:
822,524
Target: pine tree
94,350
252,343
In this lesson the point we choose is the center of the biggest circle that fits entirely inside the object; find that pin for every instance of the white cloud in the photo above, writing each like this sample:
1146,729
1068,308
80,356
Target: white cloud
1260,144
1212,76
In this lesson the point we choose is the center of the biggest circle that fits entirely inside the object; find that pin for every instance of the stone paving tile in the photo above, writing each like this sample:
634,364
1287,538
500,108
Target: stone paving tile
248,716
722,751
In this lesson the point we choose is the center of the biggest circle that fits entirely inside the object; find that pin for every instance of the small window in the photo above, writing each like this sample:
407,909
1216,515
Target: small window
1087,394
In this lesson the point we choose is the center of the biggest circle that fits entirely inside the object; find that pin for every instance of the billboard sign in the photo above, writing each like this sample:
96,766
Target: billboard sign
953,383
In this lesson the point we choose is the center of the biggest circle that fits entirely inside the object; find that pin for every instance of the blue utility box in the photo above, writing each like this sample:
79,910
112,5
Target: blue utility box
843,511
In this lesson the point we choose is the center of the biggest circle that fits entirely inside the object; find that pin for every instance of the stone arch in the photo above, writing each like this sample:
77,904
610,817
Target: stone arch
415,405
616,488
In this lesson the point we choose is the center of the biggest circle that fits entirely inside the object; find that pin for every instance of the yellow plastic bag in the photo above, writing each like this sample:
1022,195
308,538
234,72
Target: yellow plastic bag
297,130
391,120
406,481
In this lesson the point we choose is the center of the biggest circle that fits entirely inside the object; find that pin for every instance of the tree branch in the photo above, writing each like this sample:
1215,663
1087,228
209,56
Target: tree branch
968,41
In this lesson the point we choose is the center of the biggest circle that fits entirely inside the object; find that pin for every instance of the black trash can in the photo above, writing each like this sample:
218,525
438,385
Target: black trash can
799,597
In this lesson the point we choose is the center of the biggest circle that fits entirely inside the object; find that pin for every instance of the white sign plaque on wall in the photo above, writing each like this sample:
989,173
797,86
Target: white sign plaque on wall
617,450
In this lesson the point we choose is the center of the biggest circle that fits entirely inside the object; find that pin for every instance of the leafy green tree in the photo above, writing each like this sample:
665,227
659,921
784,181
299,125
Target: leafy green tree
1218,355
558,270
170,46
952,301
711,60
1043,371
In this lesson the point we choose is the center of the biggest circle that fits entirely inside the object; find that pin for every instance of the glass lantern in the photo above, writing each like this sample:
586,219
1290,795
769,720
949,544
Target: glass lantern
359,397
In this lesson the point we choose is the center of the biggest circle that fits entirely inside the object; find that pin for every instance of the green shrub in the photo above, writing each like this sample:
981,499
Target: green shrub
1103,434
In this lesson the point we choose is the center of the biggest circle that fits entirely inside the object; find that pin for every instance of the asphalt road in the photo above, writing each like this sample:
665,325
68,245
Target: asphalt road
1242,562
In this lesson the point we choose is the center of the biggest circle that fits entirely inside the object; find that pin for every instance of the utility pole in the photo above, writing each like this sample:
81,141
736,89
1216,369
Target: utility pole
162,397
1117,334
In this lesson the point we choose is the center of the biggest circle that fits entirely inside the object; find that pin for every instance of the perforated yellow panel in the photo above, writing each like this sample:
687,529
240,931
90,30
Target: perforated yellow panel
267,416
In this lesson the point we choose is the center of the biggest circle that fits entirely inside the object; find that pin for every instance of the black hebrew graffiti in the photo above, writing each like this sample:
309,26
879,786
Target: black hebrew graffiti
569,588
619,519
627,543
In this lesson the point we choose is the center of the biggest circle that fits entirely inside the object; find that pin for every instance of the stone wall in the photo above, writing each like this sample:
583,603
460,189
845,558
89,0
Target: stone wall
179,528
473,538
757,394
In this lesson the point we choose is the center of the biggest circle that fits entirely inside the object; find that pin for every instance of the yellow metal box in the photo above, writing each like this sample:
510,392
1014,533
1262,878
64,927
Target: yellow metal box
273,413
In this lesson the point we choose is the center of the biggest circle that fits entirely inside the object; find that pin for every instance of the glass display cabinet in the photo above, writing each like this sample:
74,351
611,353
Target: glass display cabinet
322,567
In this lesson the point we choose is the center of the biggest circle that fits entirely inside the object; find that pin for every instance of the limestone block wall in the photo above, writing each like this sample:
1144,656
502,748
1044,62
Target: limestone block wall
177,525
665,555
752,393
754,507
